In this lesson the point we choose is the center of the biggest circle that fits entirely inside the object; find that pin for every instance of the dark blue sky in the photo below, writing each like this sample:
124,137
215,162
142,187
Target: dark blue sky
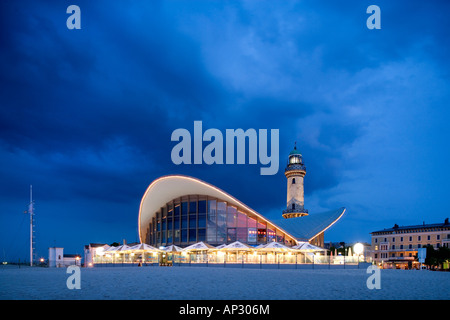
86,115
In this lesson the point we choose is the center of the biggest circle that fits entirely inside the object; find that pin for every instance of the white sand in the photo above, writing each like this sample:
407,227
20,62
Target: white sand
215,283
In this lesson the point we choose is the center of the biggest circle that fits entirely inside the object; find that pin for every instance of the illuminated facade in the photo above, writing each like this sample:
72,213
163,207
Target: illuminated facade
192,218
396,247
183,210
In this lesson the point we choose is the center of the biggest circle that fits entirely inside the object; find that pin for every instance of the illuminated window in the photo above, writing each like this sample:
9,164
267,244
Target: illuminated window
242,234
231,216
231,234
262,235
271,235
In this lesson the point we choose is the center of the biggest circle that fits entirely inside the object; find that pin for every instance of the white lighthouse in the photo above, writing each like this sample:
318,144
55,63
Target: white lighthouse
295,172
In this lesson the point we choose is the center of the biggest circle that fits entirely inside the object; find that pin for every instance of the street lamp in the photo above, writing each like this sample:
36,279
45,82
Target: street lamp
358,248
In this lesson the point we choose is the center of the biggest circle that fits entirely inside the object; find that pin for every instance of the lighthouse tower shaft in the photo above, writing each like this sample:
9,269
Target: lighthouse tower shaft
295,172
295,191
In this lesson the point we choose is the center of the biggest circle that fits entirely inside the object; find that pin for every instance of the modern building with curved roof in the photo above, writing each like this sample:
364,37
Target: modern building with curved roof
183,210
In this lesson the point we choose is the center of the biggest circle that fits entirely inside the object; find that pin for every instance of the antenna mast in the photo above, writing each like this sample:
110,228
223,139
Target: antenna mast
31,212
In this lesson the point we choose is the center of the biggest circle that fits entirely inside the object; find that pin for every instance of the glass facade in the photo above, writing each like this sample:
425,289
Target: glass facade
190,219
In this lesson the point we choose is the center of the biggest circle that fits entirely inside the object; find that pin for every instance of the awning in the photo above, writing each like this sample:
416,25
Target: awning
144,247
306,246
172,248
199,246
237,246
274,246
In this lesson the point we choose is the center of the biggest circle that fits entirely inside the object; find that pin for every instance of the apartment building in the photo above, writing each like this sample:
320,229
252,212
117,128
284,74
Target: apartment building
396,247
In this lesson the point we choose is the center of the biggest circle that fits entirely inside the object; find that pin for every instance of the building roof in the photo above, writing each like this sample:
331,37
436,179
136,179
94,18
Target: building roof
167,188
95,245
417,226
308,227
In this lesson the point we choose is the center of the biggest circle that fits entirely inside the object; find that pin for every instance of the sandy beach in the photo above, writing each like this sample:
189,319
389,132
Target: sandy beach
214,283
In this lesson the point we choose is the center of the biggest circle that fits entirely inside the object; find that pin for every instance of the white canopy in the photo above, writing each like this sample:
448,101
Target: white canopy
237,246
221,246
273,246
172,248
111,249
306,246
123,247
199,246
143,247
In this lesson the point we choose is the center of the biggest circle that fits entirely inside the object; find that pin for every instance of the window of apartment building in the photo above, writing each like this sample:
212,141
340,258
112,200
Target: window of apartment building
419,238
393,239
376,240
428,238
419,246
438,237
393,247
410,246
401,239
410,238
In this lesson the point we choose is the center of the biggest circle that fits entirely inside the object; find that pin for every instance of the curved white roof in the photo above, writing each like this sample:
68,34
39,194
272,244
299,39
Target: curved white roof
167,188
